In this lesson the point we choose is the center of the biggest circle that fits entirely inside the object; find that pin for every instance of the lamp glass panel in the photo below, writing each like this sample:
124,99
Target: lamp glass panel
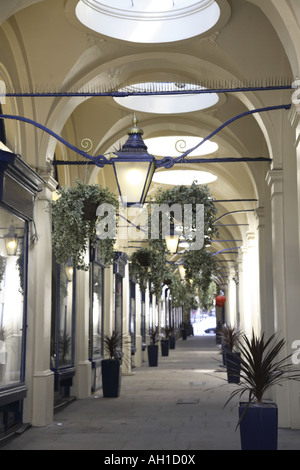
133,180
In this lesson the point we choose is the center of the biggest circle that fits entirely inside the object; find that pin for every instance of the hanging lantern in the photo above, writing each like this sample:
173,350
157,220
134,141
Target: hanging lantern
172,240
11,241
133,168
220,300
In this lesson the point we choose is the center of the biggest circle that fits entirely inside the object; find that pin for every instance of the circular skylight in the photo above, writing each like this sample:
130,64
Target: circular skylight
183,177
174,98
174,146
148,21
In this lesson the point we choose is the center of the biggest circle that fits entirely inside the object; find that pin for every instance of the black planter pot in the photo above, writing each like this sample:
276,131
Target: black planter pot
233,365
165,345
184,333
111,377
152,355
172,340
225,350
258,426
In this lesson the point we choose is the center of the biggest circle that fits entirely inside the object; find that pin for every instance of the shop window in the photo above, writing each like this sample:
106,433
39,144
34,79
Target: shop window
143,320
96,321
132,317
119,304
12,290
62,329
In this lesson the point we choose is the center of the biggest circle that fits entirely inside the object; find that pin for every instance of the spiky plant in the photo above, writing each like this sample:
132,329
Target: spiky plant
262,366
113,344
153,332
231,336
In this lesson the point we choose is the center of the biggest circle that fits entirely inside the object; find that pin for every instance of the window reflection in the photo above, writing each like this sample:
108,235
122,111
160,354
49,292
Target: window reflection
97,310
12,286
62,316
65,317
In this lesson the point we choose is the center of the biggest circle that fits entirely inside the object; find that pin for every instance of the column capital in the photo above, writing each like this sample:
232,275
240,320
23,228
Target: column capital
260,216
294,115
274,180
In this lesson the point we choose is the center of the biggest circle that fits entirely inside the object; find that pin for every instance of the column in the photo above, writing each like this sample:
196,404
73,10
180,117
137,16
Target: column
82,382
275,181
265,273
253,281
38,406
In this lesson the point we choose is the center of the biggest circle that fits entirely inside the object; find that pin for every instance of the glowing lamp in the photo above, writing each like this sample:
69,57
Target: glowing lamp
172,240
11,241
133,168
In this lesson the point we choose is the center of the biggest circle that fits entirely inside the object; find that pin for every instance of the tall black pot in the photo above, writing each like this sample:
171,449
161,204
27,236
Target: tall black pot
258,426
165,345
152,355
233,364
111,377
172,341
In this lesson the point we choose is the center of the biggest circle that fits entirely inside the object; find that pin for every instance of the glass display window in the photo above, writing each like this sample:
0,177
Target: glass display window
13,234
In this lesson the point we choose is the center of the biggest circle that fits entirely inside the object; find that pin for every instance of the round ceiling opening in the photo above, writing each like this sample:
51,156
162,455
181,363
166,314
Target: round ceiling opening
149,21
176,145
183,177
171,98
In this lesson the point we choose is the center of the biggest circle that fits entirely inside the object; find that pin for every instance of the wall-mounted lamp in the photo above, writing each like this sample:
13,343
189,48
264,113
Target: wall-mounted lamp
11,241
69,273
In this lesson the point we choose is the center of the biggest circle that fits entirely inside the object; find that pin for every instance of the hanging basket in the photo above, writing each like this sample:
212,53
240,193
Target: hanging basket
89,210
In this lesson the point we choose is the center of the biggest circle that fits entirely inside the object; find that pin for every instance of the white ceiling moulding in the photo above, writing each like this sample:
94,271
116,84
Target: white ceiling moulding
149,21
168,103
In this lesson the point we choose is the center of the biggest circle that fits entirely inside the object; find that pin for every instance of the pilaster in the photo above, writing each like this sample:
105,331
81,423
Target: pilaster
38,407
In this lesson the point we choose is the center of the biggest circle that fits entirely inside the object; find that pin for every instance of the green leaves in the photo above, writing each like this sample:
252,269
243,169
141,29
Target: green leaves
72,232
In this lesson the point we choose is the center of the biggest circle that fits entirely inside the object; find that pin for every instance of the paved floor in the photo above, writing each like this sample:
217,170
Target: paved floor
176,406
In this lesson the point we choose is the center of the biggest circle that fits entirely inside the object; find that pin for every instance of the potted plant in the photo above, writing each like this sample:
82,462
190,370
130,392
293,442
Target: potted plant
111,366
74,229
153,347
231,356
165,342
172,338
262,367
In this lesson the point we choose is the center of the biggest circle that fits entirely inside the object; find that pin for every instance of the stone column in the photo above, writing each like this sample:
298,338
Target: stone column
38,406
82,382
265,274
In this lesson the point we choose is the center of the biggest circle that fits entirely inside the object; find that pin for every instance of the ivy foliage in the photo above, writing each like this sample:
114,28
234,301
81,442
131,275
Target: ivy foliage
199,264
72,232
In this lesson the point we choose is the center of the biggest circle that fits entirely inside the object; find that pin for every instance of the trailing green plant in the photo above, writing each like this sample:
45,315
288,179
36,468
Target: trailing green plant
262,366
72,232
140,262
194,194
